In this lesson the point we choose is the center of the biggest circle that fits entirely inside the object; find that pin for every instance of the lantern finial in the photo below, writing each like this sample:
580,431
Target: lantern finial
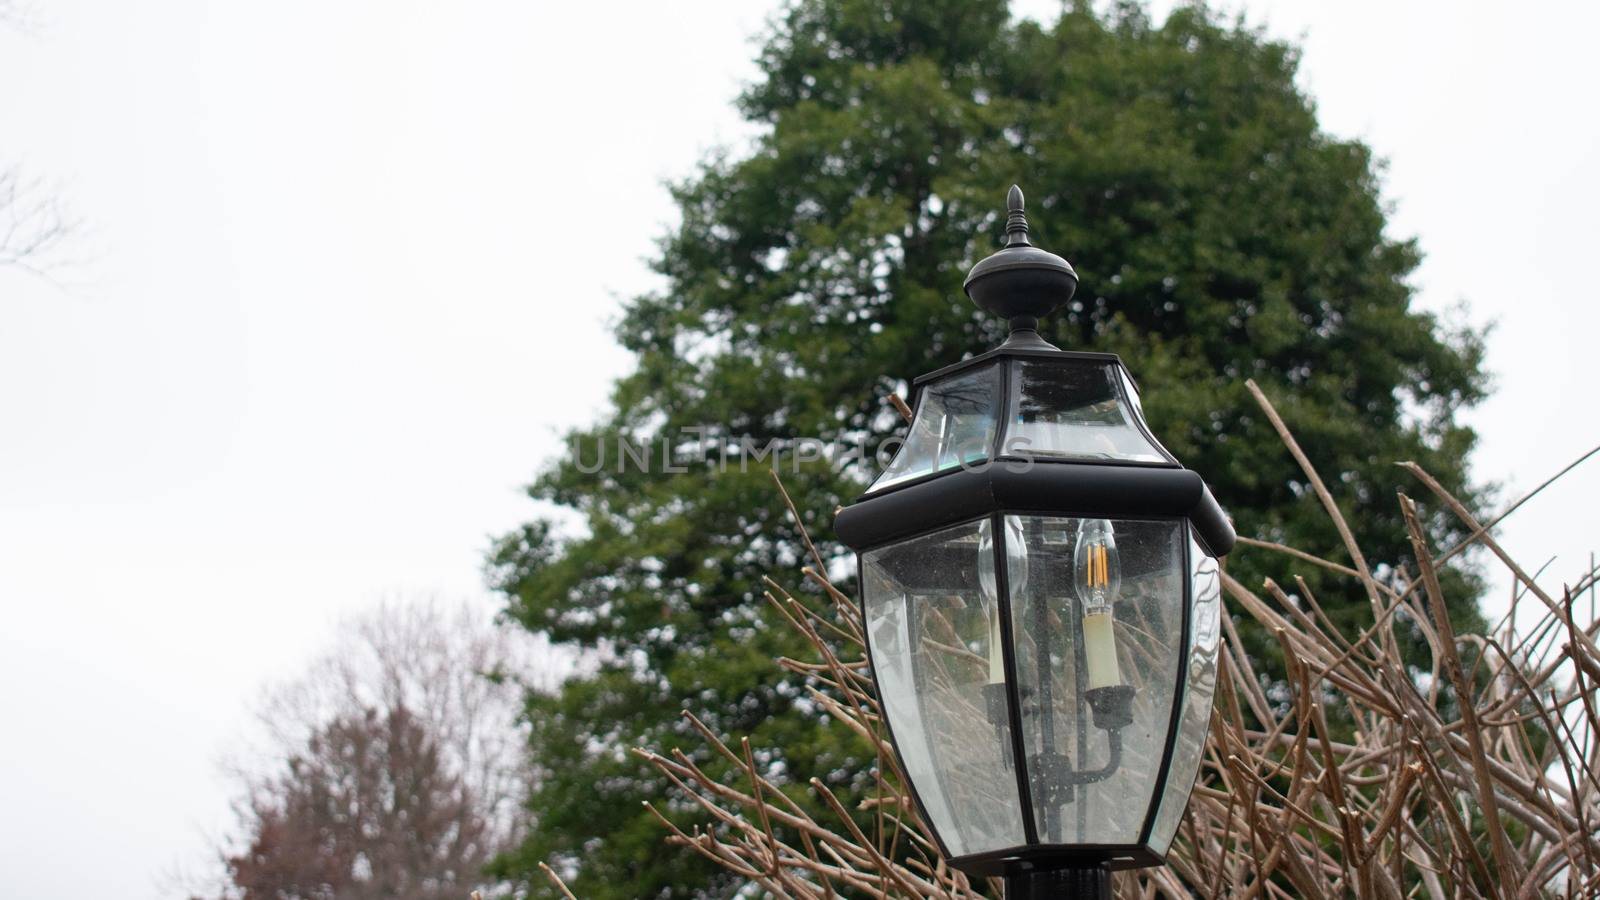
1021,283
1017,221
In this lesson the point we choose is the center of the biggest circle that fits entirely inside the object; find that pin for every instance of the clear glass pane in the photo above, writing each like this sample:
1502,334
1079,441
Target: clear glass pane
935,637
1198,694
1073,409
955,425
1098,626
1131,391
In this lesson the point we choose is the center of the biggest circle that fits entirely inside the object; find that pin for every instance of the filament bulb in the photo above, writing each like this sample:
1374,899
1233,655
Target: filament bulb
1097,572
1097,575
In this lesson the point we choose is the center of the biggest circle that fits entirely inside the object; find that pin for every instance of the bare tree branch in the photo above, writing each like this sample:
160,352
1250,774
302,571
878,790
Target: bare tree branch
35,228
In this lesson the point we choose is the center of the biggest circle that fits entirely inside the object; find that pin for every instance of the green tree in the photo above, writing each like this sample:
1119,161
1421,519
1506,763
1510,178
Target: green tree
1219,235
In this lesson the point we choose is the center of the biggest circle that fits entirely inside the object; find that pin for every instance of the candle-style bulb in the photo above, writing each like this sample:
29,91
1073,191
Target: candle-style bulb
1097,576
1097,572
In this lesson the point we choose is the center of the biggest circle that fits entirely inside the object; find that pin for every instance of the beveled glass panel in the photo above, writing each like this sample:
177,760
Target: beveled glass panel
1073,409
954,426
1136,408
1098,631
935,641
1199,692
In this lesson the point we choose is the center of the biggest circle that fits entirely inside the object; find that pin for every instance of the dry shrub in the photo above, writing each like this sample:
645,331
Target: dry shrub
1472,774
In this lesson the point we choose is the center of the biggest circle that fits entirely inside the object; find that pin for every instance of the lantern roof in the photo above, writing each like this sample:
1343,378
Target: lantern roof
1028,426
1040,349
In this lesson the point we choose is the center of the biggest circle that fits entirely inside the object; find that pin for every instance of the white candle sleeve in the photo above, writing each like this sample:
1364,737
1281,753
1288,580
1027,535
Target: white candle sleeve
997,661
1100,649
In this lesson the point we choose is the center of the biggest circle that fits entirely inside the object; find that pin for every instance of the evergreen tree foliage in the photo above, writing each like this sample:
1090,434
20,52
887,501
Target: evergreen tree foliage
1219,235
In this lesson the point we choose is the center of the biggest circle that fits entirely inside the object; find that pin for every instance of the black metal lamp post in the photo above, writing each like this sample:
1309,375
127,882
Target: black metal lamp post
1041,595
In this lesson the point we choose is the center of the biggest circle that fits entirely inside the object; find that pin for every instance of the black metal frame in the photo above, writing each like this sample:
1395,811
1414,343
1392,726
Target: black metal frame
1076,488
1034,856
1013,352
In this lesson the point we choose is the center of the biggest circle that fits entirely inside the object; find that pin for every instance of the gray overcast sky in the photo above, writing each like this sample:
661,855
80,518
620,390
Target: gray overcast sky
348,289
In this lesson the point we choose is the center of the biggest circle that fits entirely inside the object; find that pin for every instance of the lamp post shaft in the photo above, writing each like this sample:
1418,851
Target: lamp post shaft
1060,884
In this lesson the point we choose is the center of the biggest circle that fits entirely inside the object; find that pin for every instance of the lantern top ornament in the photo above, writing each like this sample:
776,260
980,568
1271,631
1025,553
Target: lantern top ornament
1020,282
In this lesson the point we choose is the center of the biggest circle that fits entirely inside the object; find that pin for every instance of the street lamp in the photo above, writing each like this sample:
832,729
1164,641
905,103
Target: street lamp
1042,597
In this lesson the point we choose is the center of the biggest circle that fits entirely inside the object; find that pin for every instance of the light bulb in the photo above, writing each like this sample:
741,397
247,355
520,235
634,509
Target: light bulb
1097,576
1016,584
1097,572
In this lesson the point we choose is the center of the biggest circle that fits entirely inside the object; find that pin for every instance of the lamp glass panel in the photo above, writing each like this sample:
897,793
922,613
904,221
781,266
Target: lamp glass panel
954,426
1074,409
1136,407
1199,692
934,636
1084,791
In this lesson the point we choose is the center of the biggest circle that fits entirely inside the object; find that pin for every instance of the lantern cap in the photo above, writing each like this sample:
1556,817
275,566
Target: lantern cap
1094,490
1020,282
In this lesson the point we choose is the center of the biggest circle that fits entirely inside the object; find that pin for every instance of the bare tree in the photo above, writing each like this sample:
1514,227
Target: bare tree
392,767
450,665
367,809
34,225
